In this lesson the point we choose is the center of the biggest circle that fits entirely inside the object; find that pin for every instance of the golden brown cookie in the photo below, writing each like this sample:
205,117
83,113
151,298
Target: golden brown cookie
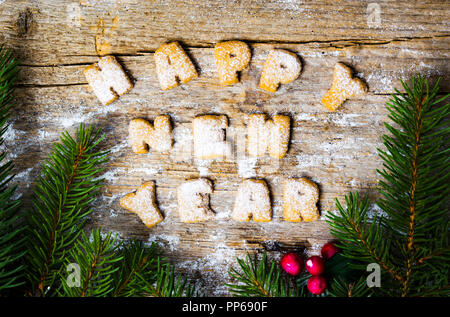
300,197
107,79
281,67
252,201
193,200
268,135
142,203
143,135
343,87
209,137
231,58
173,66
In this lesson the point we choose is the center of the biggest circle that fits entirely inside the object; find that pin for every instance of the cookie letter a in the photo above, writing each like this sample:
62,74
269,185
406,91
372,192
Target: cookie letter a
108,79
143,204
173,66
300,198
343,87
231,57
271,135
193,200
281,67
252,201
209,137
143,135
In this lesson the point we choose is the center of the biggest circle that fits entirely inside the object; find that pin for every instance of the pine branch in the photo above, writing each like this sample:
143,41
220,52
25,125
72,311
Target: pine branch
60,205
410,243
168,283
96,258
416,176
260,279
11,240
137,269
342,288
363,240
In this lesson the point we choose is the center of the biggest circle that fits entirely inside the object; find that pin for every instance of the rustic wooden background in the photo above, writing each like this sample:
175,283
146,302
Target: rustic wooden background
56,39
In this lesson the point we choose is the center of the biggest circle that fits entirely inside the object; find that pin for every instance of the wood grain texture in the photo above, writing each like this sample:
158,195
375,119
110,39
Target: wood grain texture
55,40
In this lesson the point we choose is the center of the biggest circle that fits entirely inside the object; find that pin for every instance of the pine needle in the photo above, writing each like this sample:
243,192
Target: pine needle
409,242
11,240
60,204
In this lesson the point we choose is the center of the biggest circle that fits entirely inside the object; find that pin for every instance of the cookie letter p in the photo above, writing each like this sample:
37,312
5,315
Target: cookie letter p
281,67
107,79
173,66
231,57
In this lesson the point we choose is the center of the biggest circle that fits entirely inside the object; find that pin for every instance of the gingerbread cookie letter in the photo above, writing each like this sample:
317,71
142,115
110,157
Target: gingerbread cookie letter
173,66
271,135
300,198
281,67
143,135
193,200
231,57
343,87
108,79
252,201
143,204
209,137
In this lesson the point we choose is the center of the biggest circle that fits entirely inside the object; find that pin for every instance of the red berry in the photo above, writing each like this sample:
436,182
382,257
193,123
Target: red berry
316,284
314,265
292,263
329,250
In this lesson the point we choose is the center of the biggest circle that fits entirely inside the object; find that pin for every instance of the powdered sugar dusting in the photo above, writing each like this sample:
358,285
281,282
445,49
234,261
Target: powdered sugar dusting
214,266
193,200
170,241
281,67
246,167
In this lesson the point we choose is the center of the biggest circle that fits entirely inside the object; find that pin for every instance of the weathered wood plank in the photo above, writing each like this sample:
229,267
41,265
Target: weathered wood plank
382,66
55,32
57,39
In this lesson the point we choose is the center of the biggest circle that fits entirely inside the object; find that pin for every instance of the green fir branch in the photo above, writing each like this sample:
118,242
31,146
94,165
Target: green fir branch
60,204
258,278
137,269
11,239
169,284
95,257
339,287
410,241
362,238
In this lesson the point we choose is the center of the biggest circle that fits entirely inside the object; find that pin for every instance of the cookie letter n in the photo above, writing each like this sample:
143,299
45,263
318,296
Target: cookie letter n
142,135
